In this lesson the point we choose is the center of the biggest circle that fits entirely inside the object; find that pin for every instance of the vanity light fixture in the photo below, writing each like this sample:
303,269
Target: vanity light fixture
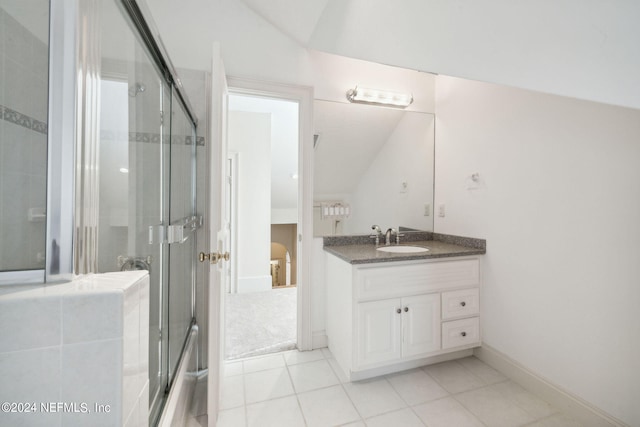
379,97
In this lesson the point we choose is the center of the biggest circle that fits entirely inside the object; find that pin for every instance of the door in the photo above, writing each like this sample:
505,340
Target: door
219,226
379,330
421,325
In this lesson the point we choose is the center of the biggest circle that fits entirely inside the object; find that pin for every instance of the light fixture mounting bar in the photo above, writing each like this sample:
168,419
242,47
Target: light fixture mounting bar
379,97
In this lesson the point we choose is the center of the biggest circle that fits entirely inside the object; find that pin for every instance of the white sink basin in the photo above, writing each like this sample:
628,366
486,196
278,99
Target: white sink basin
403,249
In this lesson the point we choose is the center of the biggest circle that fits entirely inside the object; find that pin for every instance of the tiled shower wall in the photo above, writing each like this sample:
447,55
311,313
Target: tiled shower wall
85,342
23,145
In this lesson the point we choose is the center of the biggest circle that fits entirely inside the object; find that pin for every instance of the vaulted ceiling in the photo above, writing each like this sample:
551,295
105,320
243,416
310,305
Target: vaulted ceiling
574,48
586,50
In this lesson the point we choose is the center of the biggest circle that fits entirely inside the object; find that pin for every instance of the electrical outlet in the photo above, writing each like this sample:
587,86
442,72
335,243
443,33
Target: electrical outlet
441,211
427,209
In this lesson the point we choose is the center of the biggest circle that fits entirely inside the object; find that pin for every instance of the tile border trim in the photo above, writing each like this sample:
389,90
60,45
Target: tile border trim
12,116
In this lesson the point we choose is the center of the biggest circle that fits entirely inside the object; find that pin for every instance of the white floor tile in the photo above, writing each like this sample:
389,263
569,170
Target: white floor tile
486,373
453,377
232,368
265,385
533,405
374,397
493,408
312,376
446,413
327,353
402,418
282,412
295,356
263,363
557,420
466,393
327,407
232,418
415,387
232,392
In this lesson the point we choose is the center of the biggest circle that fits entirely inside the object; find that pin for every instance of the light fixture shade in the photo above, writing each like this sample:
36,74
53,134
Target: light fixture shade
379,97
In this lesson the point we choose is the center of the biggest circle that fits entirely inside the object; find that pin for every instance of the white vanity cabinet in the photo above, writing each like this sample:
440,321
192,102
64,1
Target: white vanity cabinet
386,317
388,330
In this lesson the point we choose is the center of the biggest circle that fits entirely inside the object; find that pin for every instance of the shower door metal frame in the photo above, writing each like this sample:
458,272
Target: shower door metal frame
68,120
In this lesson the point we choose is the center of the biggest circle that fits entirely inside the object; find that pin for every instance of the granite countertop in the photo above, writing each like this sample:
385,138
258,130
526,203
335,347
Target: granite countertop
361,250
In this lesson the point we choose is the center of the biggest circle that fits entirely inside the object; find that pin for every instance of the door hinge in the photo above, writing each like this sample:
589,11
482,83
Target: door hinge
157,234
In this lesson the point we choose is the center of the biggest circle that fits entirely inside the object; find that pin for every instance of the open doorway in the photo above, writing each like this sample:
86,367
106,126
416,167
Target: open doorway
261,300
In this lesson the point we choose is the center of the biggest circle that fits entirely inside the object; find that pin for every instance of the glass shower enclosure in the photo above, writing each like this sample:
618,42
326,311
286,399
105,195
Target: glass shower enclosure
145,177
130,172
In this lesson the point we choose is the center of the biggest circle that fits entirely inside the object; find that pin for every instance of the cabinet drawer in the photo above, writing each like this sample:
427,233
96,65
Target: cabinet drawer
461,303
386,281
461,332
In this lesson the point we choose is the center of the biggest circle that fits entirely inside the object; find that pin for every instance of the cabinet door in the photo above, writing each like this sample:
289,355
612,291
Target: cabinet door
421,321
378,332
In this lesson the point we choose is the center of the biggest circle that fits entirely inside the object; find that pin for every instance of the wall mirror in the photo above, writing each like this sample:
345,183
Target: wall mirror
375,161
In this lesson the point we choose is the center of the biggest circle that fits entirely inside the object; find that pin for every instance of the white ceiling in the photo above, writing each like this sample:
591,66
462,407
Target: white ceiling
586,50
296,18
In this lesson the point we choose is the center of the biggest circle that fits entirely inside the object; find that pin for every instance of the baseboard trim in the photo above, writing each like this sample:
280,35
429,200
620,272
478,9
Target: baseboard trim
411,364
319,340
572,405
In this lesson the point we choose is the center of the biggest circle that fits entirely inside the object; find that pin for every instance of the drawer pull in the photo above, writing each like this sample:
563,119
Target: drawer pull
463,303
398,311
406,309
464,334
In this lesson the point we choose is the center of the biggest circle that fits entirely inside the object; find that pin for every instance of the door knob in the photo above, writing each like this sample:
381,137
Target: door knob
213,257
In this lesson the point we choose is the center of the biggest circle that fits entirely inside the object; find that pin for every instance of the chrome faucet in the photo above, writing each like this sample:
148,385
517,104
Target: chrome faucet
377,234
389,235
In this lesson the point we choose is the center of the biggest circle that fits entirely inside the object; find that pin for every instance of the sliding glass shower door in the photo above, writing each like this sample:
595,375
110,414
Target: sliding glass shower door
146,192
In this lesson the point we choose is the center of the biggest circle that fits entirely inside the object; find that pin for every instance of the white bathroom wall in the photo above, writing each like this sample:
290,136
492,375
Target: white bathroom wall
557,201
250,136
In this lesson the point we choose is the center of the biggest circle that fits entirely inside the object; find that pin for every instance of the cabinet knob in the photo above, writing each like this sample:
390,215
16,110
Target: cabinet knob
398,311
463,303
406,309
464,334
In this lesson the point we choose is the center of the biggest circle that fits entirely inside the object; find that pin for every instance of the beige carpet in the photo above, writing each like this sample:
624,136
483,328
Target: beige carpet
260,322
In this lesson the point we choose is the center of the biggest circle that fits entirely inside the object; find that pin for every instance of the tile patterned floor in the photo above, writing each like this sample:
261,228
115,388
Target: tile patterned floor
307,389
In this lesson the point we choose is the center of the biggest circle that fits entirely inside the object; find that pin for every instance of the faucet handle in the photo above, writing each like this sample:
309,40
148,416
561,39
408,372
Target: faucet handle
377,237
398,236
